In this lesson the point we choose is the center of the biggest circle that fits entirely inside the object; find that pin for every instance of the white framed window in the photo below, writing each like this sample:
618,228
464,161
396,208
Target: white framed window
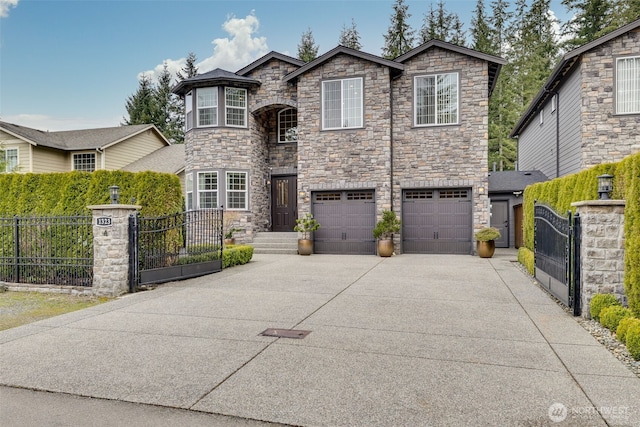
236,190
342,103
207,99
436,99
85,162
10,159
189,190
207,190
628,85
554,103
188,105
288,125
236,106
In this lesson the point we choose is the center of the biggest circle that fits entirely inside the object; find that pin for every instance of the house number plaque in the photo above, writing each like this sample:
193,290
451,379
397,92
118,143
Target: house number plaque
104,221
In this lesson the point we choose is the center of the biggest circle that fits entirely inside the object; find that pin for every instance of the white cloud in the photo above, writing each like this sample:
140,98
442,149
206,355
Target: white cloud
49,123
229,53
5,5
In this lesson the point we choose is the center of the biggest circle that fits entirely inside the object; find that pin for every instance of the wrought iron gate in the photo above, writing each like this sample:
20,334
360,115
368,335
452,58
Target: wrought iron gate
557,254
174,247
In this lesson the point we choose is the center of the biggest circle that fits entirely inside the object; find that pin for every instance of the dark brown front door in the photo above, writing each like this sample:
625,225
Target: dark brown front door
284,202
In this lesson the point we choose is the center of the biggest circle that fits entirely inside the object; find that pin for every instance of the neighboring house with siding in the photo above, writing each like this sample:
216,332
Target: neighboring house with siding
168,159
588,111
28,150
345,137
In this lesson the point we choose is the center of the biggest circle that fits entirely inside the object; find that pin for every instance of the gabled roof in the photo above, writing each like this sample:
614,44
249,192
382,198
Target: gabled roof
268,57
84,139
217,77
495,62
509,181
343,50
557,77
169,159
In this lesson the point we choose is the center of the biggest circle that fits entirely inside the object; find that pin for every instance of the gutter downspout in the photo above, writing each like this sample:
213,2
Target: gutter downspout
102,161
557,95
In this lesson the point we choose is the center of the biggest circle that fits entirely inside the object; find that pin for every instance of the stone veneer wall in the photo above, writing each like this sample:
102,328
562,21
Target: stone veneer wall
350,158
606,137
443,156
602,250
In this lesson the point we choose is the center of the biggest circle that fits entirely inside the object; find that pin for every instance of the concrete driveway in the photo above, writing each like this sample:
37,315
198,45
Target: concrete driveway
412,340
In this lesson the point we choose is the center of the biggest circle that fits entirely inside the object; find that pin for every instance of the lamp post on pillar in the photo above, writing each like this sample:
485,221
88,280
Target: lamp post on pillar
605,185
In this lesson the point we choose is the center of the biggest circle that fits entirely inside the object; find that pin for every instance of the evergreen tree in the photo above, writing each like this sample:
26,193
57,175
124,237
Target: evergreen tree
458,35
350,37
442,25
189,70
481,35
142,106
307,49
170,119
400,37
624,12
591,19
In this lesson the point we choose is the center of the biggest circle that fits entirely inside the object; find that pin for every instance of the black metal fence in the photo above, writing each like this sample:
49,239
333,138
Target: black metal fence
173,247
557,254
53,250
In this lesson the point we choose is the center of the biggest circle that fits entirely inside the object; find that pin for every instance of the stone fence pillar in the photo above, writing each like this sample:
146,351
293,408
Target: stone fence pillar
602,250
111,248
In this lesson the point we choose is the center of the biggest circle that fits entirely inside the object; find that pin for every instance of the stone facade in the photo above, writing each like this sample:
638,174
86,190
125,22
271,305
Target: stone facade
443,156
111,250
387,154
602,250
606,136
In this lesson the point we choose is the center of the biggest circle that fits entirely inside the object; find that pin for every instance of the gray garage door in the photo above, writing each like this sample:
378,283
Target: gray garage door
346,222
437,221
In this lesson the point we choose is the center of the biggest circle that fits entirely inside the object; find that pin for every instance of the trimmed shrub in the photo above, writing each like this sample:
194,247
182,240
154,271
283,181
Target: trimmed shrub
600,301
236,255
526,258
611,316
633,340
623,327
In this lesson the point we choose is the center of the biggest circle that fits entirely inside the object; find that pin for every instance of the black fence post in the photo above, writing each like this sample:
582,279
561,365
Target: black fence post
16,249
577,239
133,252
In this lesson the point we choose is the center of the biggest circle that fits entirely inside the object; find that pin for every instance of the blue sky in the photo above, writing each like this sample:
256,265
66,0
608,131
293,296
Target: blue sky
72,64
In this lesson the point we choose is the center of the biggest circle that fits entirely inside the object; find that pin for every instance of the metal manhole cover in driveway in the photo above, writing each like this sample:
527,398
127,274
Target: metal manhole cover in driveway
285,333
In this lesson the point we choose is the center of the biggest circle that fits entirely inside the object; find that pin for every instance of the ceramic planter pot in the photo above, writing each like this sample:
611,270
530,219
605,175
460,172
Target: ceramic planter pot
486,249
305,246
229,241
385,248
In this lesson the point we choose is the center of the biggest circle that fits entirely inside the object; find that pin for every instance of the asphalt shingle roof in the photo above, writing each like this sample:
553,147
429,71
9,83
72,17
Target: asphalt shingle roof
507,181
169,159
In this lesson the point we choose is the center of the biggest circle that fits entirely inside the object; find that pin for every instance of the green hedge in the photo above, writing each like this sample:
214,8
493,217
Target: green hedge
559,193
236,255
70,193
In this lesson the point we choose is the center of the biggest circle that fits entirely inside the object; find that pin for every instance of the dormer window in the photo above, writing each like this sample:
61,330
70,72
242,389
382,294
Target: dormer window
288,125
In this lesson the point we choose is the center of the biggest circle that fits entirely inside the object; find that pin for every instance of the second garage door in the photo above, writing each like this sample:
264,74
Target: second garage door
347,219
437,221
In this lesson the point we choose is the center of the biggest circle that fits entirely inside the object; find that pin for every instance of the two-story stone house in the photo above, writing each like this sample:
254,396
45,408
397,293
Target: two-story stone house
345,137
588,111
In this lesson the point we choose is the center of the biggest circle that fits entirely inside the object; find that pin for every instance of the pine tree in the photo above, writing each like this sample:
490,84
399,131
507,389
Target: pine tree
400,37
458,35
624,12
442,25
350,37
170,119
481,35
189,70
591,19
307,49
142,106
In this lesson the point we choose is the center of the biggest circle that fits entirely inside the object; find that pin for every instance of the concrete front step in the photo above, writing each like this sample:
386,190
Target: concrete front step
275,243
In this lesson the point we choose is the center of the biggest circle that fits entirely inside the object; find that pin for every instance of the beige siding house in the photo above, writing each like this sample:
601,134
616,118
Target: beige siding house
28,150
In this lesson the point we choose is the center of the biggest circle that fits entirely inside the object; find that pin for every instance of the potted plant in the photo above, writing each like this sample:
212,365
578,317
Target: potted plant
228,227
228,236
384,230
306,225
485,238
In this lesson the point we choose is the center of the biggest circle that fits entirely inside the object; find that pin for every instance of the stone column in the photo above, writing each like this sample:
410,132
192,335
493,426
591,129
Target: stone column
602,250
111,248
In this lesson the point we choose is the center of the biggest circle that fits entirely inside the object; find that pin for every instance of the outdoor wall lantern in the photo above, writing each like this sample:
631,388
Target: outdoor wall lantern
114,191
605,185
